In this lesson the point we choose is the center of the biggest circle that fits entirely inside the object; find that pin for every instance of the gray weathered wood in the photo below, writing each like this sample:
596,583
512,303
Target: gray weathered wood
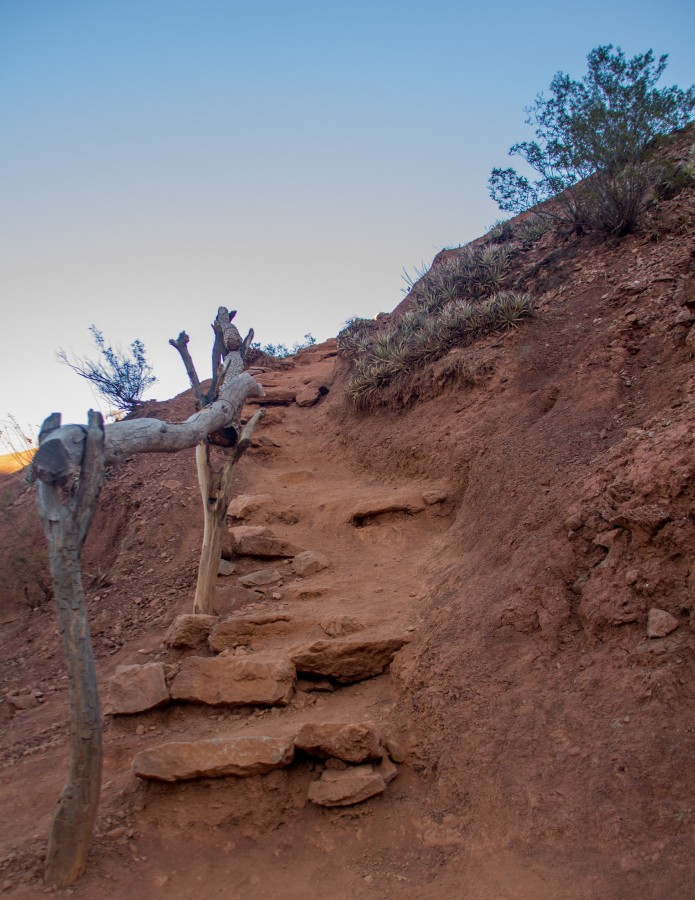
66,525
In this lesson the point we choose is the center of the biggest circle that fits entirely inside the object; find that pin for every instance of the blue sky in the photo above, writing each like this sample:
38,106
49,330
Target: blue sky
158,159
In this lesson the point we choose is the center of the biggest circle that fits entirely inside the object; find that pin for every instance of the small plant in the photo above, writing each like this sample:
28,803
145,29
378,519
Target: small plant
120,377
501,232
593,147
533,227
282,351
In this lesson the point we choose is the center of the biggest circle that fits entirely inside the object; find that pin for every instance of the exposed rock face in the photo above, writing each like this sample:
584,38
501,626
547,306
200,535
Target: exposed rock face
246,504
660,623
351,742
346,787
134,689
309,563
241,756
189,631
349,659
260,578
380,506
231,681
309,396
239,630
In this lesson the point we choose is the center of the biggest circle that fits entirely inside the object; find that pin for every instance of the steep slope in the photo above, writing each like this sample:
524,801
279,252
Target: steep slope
544,740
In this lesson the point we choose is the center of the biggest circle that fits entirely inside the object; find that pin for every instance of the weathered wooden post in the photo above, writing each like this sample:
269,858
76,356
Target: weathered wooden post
69,468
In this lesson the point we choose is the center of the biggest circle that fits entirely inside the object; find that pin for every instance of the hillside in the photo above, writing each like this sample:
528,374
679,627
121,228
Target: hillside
517,516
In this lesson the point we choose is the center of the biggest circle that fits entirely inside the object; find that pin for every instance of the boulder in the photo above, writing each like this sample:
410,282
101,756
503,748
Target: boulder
660,623
232,597
240,629
245,504
241,756
351,742
346,787
309,563
260,578
189,631
235,681
349,659
134,689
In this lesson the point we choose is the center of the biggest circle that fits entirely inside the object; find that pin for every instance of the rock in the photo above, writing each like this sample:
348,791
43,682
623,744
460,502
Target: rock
308,397
134,689
606,538
650,517
265,547
239,532
235,681
260,578
346,787
23,701
245,504
351,742
189,631
349,659
225,567
433,497
274,396
238,630
374,507
320,685
241,756
660,623
232,597
304,592
340,626
387,770
309,563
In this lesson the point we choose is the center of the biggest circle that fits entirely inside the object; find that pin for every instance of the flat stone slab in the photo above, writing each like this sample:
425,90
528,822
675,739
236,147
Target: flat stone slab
135,689
349,659
264,546
189,631
352,742
345,787
235,681
238,630
216,758
260,578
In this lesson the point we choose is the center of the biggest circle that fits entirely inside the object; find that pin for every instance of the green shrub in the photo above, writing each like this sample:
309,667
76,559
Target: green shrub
592,151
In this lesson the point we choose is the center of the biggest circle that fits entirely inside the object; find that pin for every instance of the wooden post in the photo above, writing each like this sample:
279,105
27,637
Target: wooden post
66,525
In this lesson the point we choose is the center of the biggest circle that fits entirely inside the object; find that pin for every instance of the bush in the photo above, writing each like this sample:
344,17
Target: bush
282,351
592,151
121,378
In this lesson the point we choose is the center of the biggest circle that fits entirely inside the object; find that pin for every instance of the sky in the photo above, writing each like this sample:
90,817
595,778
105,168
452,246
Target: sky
160,158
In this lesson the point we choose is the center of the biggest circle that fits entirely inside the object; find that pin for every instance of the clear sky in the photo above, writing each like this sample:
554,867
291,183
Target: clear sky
159,158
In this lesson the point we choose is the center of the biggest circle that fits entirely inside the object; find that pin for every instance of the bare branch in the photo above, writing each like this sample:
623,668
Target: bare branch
181,344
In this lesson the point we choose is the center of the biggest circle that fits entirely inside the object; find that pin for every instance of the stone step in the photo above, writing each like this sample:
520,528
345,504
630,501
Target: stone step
349,659
255,680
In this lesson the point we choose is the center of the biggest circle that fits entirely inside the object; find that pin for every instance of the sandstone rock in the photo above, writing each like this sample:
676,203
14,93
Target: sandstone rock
189,631
346,787
240,629
434,496
225,567
23,701
308,397
374,507
134,689
275,396
232,597
660,623
239,532
606,538
349,659
265,547
340,626
241,756
304,592
235,681
309,563
387,770
245,504
260,578
351,742
649,517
